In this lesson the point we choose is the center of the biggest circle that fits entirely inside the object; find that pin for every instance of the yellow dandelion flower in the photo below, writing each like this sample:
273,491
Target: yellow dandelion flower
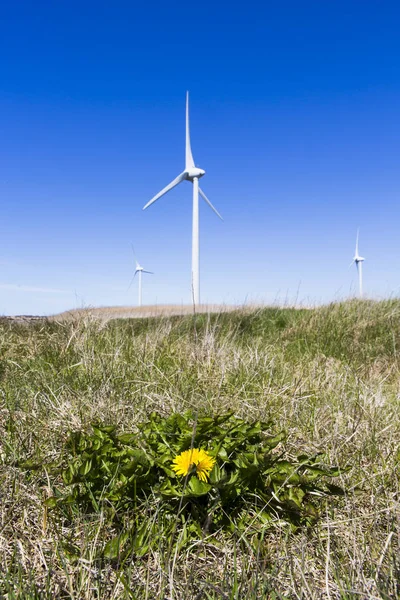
200,460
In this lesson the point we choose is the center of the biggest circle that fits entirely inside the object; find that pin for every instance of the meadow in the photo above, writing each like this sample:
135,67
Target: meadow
328,377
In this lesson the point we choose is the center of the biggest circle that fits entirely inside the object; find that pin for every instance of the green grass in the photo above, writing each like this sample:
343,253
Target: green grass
329,376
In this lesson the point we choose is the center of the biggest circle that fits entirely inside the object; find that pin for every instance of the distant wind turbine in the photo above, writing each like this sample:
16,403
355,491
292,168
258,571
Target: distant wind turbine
139,269
193,174
358,260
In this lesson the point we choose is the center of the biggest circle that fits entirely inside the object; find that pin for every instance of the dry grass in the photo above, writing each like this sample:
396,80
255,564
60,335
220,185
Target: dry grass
329,376
140,312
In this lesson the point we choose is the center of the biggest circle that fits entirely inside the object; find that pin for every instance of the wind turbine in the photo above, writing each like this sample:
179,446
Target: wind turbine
139,269
358,260
193,174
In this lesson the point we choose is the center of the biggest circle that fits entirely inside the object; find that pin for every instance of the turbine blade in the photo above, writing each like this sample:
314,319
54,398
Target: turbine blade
149,272
137,264
358,231
189,162
134,257
167,188
202,194
129,286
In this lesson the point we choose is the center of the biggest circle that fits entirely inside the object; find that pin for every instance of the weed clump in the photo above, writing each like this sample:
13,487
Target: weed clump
212,471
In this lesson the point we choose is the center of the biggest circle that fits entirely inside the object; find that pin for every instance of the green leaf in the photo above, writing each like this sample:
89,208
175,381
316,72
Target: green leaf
127,438
69,474
141,542
30,465
104,428
222,453
273,441
169,490
284,466
85,468
114,547
233,477
296,495
51,502
335,490
242,462
169,472
217,474
197,487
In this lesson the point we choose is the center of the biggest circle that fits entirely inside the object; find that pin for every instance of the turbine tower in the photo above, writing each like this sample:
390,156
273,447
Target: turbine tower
358,260
193,174
139,269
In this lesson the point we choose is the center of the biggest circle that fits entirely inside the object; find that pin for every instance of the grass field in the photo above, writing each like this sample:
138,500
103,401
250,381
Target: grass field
328,376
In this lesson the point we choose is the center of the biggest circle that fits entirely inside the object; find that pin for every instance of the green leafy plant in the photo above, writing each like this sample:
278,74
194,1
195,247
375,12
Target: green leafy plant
104,468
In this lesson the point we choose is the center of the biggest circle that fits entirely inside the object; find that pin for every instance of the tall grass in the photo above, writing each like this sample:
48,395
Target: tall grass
329,376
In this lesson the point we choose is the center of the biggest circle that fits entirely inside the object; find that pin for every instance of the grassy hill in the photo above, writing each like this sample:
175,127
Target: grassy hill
328,376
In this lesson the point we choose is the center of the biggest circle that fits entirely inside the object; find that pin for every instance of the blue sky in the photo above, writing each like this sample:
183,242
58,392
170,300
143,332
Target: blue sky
294,117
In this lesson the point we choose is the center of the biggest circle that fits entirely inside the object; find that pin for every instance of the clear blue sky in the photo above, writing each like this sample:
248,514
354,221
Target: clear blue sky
294,116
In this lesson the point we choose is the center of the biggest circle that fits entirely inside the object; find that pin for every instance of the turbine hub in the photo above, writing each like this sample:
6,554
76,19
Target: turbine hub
193,172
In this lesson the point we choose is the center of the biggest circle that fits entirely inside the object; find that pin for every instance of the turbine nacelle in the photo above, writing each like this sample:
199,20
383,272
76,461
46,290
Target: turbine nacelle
193,172
138,266
358,259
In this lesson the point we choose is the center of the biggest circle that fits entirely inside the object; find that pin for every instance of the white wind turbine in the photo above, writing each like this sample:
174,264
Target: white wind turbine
139,269
193,174
358,260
